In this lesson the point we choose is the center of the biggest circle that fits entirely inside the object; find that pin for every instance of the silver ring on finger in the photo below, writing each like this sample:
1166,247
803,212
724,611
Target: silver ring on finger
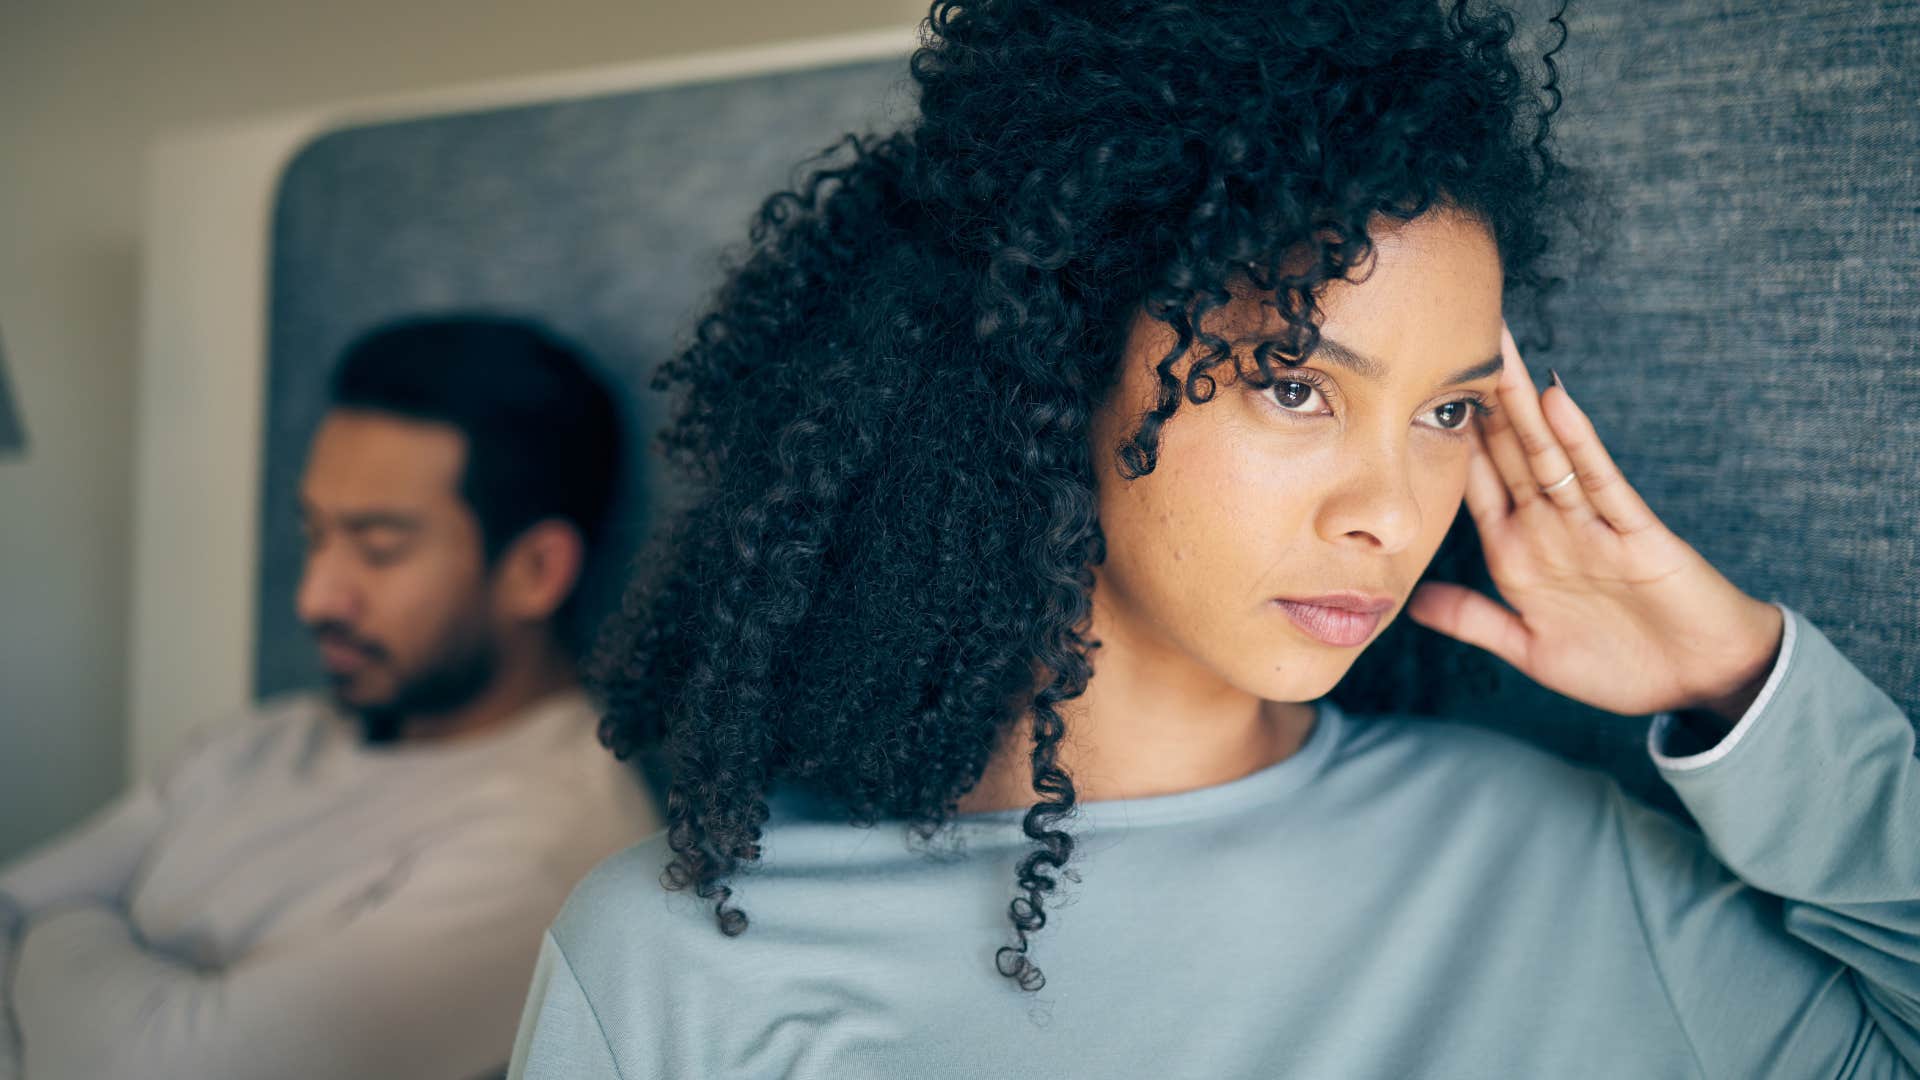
1560,483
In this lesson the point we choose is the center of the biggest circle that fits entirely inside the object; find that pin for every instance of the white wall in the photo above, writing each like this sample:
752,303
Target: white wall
87,90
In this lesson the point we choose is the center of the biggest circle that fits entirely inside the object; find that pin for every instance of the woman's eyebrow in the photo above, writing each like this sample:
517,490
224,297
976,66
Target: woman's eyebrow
1365,365
1490,366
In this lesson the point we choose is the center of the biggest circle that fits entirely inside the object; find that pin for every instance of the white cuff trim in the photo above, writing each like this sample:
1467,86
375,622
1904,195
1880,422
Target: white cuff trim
1657,730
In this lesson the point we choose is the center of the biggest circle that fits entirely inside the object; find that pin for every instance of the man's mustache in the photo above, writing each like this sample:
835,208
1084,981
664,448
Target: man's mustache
340,636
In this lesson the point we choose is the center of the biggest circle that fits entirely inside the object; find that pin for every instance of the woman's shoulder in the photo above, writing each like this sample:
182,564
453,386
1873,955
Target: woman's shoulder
1454,739
620,919
1456,791
1463,760
626,935
622,888
624,907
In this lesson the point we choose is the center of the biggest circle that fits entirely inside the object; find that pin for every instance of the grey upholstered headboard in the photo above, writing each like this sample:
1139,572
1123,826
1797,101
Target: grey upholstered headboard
1749,350
606,217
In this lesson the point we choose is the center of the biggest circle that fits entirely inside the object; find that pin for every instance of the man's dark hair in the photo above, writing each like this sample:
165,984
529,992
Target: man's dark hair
543,433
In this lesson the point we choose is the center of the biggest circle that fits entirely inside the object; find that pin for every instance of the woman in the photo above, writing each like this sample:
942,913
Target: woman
1062,454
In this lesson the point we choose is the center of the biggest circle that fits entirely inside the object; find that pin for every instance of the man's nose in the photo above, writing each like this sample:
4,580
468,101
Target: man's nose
327,592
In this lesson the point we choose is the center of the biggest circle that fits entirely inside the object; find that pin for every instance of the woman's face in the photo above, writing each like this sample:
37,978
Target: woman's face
1338,477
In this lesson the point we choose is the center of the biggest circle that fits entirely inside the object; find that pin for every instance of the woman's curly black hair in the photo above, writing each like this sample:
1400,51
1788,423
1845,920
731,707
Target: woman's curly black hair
885,414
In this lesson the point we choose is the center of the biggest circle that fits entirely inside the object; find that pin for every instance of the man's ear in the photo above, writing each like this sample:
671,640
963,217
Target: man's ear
539,569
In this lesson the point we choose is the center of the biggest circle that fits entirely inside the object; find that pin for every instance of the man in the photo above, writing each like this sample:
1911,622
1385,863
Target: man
354,884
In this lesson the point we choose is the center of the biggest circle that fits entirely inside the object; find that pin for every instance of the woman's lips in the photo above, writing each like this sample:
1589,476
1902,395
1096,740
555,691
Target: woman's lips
1332,626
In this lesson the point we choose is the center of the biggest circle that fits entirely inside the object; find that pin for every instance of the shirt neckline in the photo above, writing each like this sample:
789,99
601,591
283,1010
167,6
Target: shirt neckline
1257,788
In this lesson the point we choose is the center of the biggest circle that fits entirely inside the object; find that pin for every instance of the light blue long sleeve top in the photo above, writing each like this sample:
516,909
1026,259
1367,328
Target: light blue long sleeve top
1399,898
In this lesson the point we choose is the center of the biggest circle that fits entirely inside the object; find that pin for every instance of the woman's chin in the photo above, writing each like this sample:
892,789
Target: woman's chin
1296,677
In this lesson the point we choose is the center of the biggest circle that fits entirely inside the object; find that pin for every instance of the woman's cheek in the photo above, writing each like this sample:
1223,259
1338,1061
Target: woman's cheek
1441,492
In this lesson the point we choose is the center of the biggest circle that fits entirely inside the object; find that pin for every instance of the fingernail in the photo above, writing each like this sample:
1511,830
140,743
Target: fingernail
1553,379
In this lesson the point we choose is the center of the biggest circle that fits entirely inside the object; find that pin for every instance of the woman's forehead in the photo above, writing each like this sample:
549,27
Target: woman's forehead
1437,275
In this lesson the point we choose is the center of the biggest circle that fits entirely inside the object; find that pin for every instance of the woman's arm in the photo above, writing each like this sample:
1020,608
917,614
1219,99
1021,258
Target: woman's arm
1810,810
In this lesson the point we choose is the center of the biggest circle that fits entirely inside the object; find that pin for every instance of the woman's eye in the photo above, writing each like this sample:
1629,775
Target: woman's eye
1454,414
1290,394
1296,395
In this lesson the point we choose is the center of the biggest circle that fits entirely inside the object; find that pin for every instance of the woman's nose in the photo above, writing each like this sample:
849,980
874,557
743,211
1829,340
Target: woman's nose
1375,503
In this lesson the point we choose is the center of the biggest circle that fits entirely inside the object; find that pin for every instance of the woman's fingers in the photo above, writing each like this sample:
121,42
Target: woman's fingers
1606,486
1487,501
1460,612
1534,450
1509,461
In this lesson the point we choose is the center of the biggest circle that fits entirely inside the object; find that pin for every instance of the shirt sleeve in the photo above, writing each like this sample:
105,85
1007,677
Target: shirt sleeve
1786,930
426,982
9,1038
94,862
97,861
560,1037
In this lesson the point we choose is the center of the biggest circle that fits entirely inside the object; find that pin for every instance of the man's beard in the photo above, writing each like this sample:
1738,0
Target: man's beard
459,671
